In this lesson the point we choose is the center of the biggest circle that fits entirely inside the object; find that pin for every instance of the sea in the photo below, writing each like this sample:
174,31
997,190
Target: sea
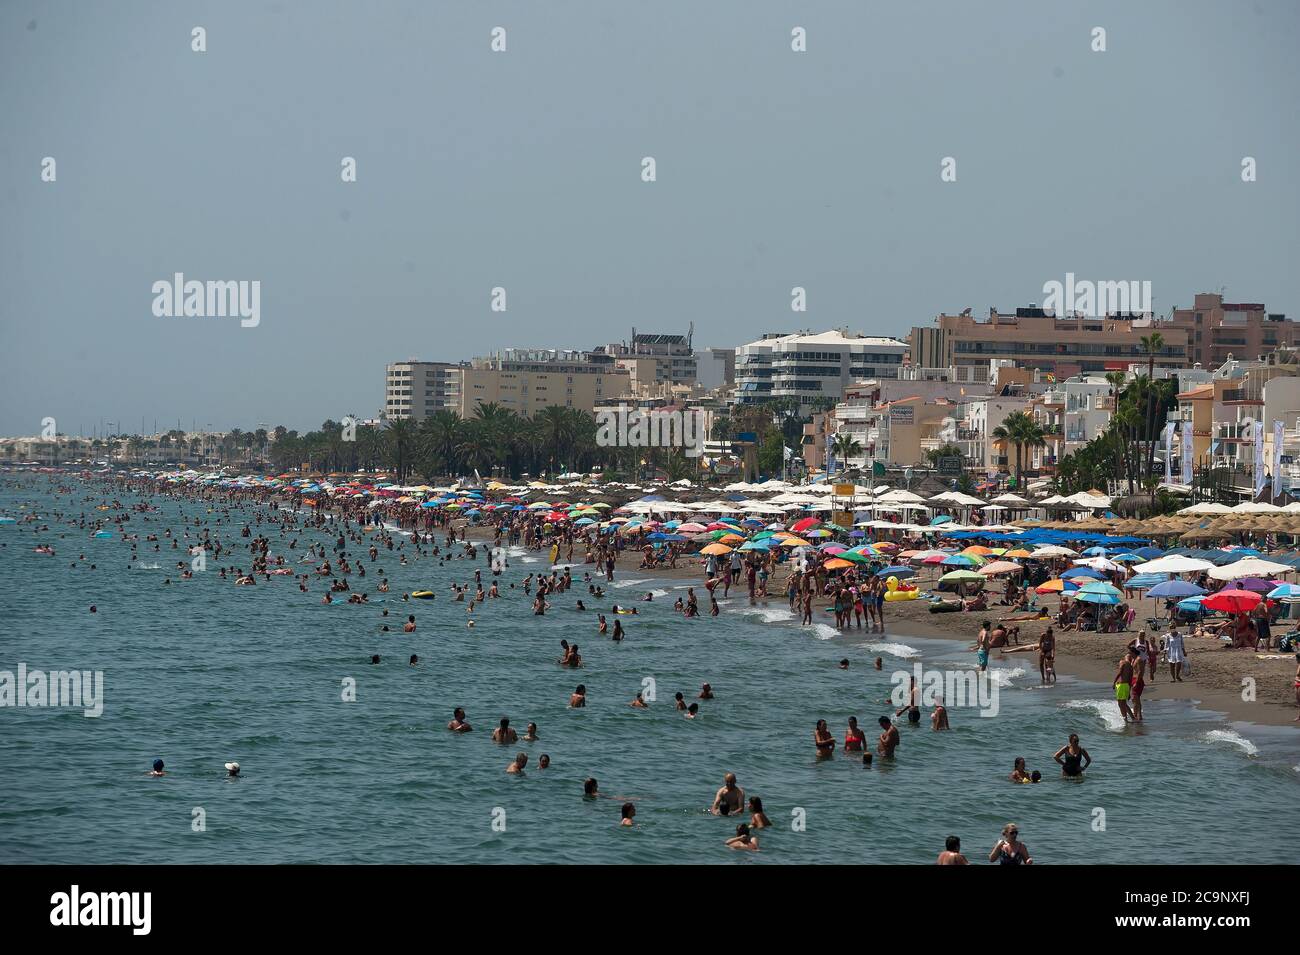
348,761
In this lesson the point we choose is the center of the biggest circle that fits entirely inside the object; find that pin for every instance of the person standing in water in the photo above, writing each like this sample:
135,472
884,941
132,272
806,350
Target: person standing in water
1074,759
1010,850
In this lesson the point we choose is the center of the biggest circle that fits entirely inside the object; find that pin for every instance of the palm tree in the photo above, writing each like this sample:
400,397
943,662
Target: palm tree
1151,344
843,447
1021,431
557,425
400,443
440,435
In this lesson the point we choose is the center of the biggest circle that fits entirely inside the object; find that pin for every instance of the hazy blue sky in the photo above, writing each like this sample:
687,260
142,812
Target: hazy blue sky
522,169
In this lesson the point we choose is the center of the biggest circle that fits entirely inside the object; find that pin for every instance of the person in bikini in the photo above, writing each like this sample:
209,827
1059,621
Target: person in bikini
855,741
823,740
1010,850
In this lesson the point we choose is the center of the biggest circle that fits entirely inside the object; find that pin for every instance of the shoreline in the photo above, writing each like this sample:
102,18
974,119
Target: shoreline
1216,686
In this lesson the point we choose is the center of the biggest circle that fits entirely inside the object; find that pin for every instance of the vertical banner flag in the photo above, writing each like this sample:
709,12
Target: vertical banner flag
1259,456
1185,434
1277,459
1169,453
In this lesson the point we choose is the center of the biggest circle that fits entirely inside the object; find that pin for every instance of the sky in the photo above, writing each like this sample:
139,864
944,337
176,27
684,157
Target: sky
522,170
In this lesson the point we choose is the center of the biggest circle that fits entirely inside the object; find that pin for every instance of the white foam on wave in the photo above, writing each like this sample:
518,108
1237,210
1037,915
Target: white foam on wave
530,560
893,649
1233,737
824,631
659,593
767,614
629,583
148,566
1003,676
1106,710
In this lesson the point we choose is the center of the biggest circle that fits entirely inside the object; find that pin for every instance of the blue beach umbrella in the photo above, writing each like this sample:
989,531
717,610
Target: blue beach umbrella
1284,592
902,573
1191,605
1074,572
1096,597
1177,588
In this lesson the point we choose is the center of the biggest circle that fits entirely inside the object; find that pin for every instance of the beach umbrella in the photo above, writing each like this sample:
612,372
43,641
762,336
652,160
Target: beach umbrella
961,560
794,542
690,527
1175,588
1099,587
836,563
1176,564
1256,584
1232,601
753,545
958,576
978,550
901,572
715,550
1056,586
1095,552
803,524
731,539
1017,552
1075,572
1096,597
999,567
1249,567
857,556
1053,550
831,548
1098,563
1127,558
1284,592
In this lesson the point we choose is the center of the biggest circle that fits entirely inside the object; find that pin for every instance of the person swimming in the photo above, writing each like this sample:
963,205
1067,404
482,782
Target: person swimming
157,768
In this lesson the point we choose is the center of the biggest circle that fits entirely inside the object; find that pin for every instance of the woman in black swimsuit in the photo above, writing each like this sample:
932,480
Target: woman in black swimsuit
1074,759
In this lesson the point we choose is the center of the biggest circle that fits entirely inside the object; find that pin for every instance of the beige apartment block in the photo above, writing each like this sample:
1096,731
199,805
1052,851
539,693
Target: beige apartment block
1035,339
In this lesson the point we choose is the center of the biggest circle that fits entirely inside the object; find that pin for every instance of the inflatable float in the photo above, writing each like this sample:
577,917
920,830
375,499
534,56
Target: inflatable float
897,591
422,594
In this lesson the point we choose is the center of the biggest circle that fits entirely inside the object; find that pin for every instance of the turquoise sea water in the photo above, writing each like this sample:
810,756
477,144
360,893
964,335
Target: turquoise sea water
201,672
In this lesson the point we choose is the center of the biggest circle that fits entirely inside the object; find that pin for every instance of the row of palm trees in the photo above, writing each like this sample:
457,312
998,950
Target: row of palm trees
494,441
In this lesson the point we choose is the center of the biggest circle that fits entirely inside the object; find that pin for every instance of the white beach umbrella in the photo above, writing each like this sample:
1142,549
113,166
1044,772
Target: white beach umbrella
1246,567
1053,550
1176,564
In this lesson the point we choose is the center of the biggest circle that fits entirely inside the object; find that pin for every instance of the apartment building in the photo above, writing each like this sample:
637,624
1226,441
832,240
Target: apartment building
671,357
528,380
1217,330
976,421
418,389
715,368
809,366
1034,338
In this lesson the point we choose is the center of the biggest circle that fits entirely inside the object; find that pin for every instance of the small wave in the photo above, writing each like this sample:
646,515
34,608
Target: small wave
629,583
1003,676
148,566
824,631
659,593
768,614
893,649
1106,710
1233,737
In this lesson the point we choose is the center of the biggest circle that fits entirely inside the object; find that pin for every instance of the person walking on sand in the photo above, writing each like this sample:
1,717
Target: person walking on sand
1175,654
1047,657
1123,684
